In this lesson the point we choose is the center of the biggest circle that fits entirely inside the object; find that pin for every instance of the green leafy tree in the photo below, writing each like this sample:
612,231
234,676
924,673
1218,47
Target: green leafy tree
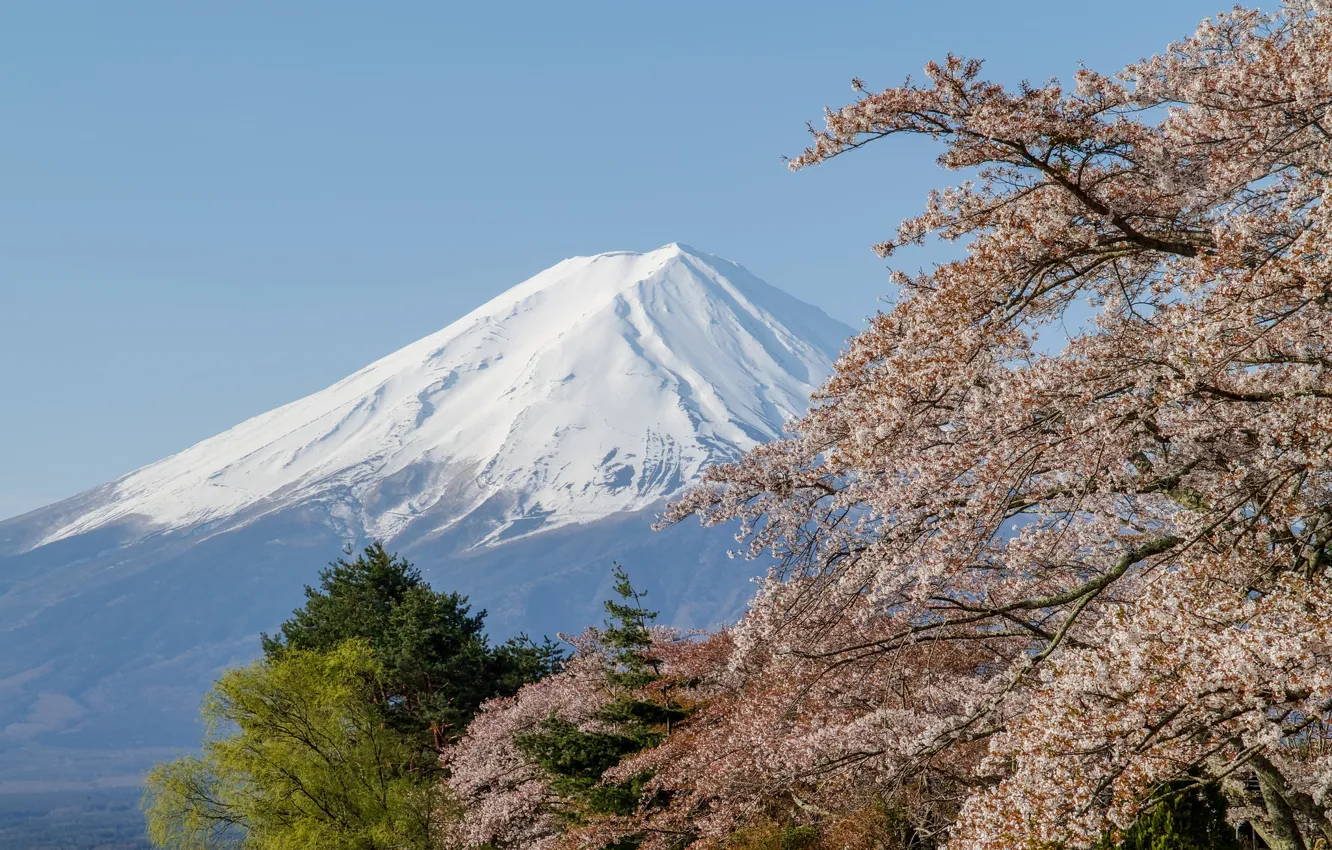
296,756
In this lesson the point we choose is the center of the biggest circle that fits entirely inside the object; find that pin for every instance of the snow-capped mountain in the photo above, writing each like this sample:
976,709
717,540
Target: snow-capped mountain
601,385
511,455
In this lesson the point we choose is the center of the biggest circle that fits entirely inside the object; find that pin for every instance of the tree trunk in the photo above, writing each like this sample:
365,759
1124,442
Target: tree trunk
1284,829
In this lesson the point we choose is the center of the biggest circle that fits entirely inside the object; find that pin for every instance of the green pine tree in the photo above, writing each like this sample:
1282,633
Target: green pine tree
627,635
574,760
438,664
628,639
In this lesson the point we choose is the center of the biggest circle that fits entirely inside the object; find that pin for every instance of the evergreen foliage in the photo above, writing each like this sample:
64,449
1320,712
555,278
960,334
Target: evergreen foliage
626,635
438,665
576,759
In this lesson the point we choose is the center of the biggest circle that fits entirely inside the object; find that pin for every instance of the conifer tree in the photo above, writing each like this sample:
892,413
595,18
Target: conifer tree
626,635
632,720
438,663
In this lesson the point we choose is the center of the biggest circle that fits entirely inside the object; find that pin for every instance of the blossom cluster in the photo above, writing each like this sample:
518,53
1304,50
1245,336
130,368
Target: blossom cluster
1131,535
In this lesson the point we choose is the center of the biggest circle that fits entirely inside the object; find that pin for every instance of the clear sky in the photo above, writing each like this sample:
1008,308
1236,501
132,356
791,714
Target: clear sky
208,209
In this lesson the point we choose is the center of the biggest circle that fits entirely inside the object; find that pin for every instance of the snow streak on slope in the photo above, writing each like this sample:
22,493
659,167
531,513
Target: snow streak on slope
600,385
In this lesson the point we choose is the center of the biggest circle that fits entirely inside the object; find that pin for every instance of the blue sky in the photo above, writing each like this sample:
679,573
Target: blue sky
210,209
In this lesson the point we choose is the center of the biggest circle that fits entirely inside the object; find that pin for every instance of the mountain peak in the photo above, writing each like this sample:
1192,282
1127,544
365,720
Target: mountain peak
681,248
596,277
602,384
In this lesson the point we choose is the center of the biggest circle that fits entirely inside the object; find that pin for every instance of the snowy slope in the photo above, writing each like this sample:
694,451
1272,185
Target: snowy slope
600,385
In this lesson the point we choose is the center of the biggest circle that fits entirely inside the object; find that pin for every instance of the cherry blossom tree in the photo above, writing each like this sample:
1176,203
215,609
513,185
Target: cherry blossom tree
779,738
1067,582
